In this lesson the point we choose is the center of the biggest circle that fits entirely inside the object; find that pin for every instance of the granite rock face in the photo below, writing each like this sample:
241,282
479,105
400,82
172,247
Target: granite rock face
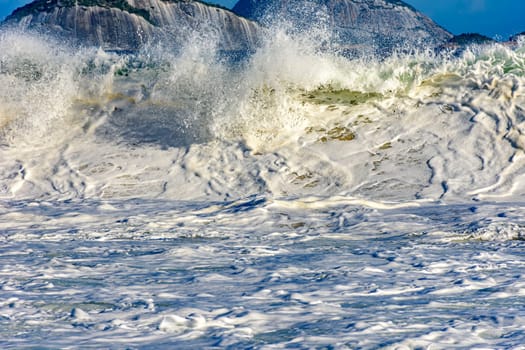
126,25
355,26
380,25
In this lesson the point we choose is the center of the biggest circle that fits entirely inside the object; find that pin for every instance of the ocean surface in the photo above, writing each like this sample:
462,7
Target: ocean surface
295,199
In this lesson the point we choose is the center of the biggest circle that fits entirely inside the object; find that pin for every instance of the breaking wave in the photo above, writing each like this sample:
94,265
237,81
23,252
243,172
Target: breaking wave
293,119
295,197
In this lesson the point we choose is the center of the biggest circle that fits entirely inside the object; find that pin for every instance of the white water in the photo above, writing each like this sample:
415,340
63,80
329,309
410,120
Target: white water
298,199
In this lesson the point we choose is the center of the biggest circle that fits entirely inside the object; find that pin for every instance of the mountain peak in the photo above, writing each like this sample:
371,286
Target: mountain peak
129,24
39,6
385,24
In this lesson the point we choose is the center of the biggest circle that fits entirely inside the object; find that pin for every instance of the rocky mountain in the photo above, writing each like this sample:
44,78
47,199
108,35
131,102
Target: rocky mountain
384,25
129,24
357,26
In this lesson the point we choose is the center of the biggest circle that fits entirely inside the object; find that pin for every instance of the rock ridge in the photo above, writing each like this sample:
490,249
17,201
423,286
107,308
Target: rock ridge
385,25
127,25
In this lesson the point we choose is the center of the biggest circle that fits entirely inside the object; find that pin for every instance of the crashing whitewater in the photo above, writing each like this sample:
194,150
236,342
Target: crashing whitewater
297,198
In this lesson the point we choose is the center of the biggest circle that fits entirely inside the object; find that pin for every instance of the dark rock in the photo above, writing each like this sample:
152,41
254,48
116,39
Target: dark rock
459,43
380,25
126,25
467,39
516,37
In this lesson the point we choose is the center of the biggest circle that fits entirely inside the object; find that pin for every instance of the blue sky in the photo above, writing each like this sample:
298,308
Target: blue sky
490,17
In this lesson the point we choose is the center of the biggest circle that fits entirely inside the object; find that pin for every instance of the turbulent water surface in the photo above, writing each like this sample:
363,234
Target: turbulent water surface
294,199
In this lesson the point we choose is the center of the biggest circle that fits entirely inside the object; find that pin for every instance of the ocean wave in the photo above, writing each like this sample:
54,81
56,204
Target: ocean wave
293,119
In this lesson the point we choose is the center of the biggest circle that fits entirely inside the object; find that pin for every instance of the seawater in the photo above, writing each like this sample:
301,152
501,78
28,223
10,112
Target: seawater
298,198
